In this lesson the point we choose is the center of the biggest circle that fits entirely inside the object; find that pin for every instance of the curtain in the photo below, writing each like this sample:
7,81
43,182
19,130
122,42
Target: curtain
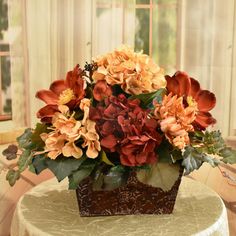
63,33
207,53
113,25
58,38
17,68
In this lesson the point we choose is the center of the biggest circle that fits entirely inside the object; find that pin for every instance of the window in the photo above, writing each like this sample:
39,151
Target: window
5,75
148,25
13,69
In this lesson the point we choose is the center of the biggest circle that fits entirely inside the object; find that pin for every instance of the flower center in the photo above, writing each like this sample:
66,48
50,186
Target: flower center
191,102
66,96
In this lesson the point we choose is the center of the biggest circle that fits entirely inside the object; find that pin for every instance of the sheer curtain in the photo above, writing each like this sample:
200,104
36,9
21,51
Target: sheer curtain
207,52
113,24
58,37
63,33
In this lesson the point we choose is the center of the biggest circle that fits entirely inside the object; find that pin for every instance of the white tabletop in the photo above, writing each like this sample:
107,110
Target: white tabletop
51,209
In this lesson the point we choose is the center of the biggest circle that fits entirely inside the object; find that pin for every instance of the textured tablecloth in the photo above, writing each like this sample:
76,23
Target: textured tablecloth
50,209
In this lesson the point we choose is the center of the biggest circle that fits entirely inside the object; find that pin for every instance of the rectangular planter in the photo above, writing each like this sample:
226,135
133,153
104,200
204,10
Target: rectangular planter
131,199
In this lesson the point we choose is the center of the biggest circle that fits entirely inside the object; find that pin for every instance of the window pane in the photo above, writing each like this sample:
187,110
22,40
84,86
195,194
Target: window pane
142,30
164,34
5,75
4,47
142,1
6,86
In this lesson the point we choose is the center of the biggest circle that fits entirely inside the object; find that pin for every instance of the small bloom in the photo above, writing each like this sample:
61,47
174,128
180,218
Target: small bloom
88,131
71,150
54,143
101,90
175,119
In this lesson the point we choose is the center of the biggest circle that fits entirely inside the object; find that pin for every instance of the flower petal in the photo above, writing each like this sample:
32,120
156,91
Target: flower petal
195,87
203,120
172,84
101,90
109,141
48,96
46,113
58,86
206,100
184,82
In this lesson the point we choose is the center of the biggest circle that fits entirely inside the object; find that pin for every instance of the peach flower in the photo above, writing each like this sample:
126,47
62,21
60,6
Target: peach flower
67,130
175,119
88,131
135,72
66,124
54,143
70,149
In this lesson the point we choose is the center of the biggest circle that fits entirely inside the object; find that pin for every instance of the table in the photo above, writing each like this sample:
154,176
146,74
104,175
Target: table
51,209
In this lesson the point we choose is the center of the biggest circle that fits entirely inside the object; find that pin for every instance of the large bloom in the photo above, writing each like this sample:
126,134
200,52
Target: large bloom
62,92
182,85
175,119
135,72
124,127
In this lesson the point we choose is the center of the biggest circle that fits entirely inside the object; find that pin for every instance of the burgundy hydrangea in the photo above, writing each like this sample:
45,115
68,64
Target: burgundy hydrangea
126,128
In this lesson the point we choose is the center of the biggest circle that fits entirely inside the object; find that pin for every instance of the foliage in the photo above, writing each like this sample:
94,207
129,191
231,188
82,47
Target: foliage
11,152
205,146
147,99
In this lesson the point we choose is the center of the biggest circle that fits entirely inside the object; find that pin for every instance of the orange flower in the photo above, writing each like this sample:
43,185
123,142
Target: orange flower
54,143
88,131
66,125
62,92
70,149
135,72
182,85
176,120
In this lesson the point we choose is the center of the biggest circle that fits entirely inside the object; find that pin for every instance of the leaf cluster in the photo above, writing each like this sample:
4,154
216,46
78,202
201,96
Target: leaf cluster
203,146
29,142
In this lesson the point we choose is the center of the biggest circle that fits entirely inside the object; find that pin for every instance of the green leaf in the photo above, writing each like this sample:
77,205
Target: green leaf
210,160
24,140
35,137
148,98
39,163
116,177
192,159
63,167
12,176
116,90
78,176
98,180
161,175
25,160
32,169
105,159
228,154
11,152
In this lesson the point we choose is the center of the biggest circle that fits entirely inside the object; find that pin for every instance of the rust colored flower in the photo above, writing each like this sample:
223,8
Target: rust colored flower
62,92
175,119
126,128
135,72
101,90
182,85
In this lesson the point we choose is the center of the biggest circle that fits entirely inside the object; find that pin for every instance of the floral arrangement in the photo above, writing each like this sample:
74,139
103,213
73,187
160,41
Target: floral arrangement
117,115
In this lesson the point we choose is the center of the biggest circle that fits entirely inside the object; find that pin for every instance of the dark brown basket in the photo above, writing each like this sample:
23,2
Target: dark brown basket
131,199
